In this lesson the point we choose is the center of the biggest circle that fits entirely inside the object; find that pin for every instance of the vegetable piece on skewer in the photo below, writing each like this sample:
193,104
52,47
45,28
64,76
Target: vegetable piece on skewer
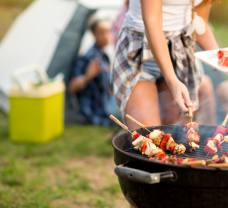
146,146
166,142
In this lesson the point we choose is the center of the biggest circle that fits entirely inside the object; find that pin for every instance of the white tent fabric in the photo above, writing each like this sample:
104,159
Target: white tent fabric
33,37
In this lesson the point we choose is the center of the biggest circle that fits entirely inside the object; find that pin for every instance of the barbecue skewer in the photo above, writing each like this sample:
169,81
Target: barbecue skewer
214,144
141,143
218,165
197,163
192,134
162,140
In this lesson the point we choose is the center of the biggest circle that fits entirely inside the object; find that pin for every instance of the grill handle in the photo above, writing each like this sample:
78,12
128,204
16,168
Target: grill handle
143,176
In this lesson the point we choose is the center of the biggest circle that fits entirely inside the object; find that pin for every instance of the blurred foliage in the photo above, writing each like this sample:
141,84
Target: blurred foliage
221,31
9,10
220,12
15,3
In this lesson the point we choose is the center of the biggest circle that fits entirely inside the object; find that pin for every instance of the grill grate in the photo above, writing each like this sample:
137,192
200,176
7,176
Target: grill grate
179,136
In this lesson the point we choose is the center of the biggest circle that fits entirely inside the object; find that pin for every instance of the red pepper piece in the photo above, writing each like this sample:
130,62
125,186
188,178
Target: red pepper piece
143,149
209,150
172,146
221,130
135,135
161,155
164,141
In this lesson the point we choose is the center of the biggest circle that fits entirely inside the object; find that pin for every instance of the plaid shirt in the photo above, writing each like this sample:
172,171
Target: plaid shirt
133,50
92,99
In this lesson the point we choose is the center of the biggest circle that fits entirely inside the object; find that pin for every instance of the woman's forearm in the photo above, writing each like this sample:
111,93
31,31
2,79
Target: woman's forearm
152,16
207,41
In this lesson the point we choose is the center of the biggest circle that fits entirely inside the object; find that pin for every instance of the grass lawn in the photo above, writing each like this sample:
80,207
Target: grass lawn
76,170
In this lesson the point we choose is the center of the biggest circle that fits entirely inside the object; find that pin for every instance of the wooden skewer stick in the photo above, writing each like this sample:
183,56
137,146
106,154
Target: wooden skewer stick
119,123
190,114
218,165
197,163
225,120
137,122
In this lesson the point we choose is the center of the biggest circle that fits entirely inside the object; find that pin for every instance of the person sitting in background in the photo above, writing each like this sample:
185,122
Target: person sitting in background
91,75
223,95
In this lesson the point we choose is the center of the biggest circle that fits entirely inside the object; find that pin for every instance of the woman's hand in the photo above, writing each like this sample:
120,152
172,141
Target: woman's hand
181,95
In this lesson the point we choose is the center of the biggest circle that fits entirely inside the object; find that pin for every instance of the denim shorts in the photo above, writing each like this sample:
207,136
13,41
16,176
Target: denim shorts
150,71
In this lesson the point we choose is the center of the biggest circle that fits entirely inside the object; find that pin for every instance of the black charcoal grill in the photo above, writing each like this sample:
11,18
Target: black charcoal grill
150,184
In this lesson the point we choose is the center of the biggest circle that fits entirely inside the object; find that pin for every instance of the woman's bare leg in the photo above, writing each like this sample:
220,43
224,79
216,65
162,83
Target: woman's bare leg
170,113
207,111
143,105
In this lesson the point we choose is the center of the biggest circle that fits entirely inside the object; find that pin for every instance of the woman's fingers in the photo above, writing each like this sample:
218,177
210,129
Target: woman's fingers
181,95
183,98
180,102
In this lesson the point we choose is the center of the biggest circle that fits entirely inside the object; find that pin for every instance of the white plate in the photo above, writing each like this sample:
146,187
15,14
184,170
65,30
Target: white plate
211,58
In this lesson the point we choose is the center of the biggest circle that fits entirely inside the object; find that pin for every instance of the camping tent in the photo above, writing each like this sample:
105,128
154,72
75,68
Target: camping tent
48,34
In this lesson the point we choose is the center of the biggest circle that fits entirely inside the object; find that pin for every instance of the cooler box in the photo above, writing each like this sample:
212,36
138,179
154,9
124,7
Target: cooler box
37,115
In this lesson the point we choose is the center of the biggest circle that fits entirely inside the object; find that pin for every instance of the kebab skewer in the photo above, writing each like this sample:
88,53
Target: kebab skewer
192,132
161,139
214,144
141,143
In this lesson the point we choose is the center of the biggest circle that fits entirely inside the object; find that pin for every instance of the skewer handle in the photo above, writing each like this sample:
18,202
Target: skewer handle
134,120
118,122
225,120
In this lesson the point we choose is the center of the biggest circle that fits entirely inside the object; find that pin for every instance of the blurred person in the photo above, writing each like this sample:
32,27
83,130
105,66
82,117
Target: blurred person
223,95
91,74
157,66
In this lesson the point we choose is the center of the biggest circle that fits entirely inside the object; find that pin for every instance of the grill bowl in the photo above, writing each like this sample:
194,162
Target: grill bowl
193,187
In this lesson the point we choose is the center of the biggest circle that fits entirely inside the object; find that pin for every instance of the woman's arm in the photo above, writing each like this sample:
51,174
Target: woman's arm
207,41
152,16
